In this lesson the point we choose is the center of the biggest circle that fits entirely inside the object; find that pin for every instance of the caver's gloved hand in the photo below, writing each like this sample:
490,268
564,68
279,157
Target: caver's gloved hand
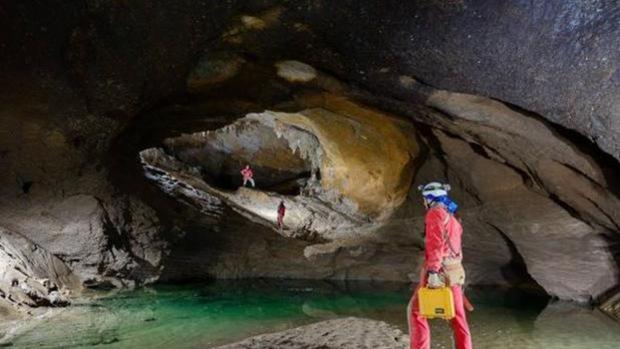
433,280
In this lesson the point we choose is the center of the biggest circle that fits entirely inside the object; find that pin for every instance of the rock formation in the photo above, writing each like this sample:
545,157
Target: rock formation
31,276
514,103
357,168
340,333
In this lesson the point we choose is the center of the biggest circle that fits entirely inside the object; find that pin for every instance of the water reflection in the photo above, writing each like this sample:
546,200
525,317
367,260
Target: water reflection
206,315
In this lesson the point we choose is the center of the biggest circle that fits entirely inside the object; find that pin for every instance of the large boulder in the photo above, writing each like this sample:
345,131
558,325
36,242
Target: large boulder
30,276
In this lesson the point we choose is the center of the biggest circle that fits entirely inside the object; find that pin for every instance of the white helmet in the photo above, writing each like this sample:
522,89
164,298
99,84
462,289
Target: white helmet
434,189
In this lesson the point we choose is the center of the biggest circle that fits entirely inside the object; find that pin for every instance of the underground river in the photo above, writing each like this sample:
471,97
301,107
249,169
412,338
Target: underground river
206,315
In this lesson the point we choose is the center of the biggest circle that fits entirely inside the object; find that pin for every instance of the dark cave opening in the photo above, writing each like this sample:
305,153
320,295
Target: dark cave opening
516,270
222,154
26,186
266,179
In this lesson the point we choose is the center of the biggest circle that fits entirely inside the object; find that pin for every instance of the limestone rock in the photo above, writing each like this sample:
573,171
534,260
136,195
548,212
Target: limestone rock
103,245
564,319
562,66
295,71
544,233
364,162
213,69
341,333
529,145
367,158
612,306
31,276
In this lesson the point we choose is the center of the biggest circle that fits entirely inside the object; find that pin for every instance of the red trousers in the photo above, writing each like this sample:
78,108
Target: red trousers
420,332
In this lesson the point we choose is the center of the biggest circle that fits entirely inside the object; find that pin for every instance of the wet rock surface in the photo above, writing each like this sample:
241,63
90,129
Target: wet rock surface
340,333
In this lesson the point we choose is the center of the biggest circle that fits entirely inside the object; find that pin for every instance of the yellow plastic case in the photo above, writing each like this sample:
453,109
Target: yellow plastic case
436,303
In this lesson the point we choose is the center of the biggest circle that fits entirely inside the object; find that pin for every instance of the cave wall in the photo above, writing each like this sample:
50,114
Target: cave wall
521,225
238,248
556,58
75,75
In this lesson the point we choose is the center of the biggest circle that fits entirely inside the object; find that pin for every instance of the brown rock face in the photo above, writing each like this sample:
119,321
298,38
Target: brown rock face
367,158
349,168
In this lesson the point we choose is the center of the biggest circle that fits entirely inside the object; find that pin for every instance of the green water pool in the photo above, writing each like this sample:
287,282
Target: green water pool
208,315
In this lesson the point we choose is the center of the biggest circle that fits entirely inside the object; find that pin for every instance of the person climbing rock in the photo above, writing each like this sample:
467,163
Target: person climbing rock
248,175
281,212
442,265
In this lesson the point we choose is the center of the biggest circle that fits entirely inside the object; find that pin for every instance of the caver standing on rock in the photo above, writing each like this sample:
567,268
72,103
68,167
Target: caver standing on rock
281,212
248,175
442,265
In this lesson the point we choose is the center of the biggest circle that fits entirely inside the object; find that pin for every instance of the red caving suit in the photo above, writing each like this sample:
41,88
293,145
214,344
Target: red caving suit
443,241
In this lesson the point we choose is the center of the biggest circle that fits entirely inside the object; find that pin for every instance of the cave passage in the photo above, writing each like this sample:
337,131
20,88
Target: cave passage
244,308
221,154
126,125
226,175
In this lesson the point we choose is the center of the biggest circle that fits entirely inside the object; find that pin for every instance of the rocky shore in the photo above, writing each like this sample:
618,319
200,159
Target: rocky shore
347,333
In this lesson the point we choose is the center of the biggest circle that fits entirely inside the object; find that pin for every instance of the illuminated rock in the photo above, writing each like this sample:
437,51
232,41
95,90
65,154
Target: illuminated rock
340,169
